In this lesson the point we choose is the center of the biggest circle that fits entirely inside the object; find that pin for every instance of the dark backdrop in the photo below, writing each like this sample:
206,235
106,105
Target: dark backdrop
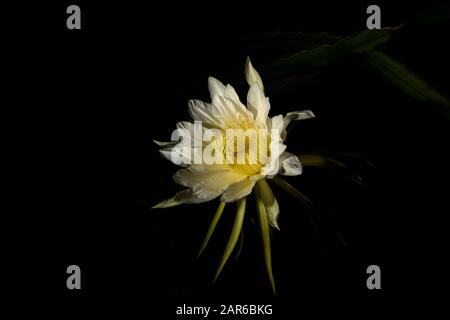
90,102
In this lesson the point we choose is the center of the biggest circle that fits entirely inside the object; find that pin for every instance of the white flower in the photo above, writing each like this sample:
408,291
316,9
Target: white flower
232,179
232,182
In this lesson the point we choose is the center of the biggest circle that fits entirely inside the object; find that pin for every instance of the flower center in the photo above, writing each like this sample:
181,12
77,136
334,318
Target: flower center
245,146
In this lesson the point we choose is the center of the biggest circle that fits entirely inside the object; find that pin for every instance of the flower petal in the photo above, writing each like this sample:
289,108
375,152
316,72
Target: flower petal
195,174
276,123
231,94
290,165
239,190
296,115
270,203
235,232
265,235
212,227
252,75
215,87
277,148
166,143
202,111
225,100
258,104
230,106
180,156
217,182
196,138
183,196
207,180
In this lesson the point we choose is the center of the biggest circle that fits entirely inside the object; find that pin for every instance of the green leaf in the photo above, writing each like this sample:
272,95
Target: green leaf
265,234
237,226
289,40
344,155
436,15
411,84
212,227
325,54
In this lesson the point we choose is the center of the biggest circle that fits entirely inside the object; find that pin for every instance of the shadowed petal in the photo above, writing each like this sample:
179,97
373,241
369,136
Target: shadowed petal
294,116
195,174
258,104
217,182
183,196
215,87
270,203
290,165
202,111
238,190
252,76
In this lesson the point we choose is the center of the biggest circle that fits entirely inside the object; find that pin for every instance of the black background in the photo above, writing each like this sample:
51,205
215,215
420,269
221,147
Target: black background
88,104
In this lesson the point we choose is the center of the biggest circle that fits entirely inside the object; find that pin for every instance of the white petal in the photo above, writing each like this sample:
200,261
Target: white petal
270,203
202,111
252,75
217,182
225,100
290,165
181,156
224,108
238,190
276,123
205,195
236,105
231,94
296,115
230,106
276,145
258,104
195,174
184,152
196,138
186,125
184,196
215,87
276,148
